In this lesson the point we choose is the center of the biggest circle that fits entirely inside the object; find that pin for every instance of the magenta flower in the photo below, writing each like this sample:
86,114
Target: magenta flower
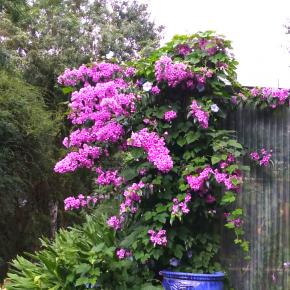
263,158
132,197
170,115
180,208
81,201
210,198
123,253
158,238
200,115
196,183
172,73
155,147
155,90
108,177
183,49
115,222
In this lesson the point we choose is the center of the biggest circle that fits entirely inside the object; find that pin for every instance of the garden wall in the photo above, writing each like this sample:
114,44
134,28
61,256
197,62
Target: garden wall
266,200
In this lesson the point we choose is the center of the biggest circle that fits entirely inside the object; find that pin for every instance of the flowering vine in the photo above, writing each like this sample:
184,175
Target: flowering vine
153,136
262,157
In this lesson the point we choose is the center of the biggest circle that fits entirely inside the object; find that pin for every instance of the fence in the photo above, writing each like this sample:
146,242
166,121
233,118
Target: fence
266,200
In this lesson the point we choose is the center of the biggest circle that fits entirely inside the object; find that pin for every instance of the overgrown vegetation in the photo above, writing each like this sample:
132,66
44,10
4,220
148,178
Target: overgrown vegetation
38,40
79,258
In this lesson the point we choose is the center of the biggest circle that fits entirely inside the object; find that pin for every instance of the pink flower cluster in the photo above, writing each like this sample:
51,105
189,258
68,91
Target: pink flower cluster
206,72
95,107
72,202
132,196
184,49
123,254
83,158
273,97
197,183
211,46
200,115
155,90
158,238
200,184
155,148
108,177
180,208
99,72
172,73
236,222
115,222
170,115
263,158
230,181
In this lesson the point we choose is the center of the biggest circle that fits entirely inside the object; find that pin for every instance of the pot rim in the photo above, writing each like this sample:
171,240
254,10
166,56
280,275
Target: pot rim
217,276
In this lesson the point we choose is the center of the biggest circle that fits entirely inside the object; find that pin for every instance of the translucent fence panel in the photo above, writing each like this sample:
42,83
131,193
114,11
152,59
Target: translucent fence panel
266,199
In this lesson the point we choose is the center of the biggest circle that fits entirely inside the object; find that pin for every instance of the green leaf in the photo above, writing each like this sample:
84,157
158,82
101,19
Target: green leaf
178,251
82,268
67,90
129,173
82,281
183,187
229,197
230,225
181,141
235,144
192,136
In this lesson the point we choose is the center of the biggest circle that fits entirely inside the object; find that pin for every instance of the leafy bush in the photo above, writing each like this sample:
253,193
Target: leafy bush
159,126
79,258
25,160
153,134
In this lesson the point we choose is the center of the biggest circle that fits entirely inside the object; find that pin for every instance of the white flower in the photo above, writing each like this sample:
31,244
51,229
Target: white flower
147,86
109,55
214,108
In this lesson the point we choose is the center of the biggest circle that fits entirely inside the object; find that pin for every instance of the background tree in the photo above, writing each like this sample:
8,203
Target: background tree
24,137
38,40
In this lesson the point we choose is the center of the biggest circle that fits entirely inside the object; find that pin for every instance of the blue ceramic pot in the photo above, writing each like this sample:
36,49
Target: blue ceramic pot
188,281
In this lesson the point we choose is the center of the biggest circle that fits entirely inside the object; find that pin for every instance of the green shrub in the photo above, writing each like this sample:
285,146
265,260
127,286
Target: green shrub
78,258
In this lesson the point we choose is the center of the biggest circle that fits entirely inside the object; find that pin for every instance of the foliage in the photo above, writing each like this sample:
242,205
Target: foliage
53,35
78,258
24,138
178,199
38,40
161,129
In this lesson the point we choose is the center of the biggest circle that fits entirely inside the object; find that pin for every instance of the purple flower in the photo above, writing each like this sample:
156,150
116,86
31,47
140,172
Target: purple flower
169,116
155,90
157,152
158,238
123,253
174,262
201,116
115,222
183,49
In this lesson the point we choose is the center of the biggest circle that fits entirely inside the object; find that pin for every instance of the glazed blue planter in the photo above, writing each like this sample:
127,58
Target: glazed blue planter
188,281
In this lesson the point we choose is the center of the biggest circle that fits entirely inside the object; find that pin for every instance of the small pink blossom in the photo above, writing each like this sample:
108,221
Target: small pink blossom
180,208
154,146
158,238
169,116
115,222
81,201
263,158
155,90
123,253
200,115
